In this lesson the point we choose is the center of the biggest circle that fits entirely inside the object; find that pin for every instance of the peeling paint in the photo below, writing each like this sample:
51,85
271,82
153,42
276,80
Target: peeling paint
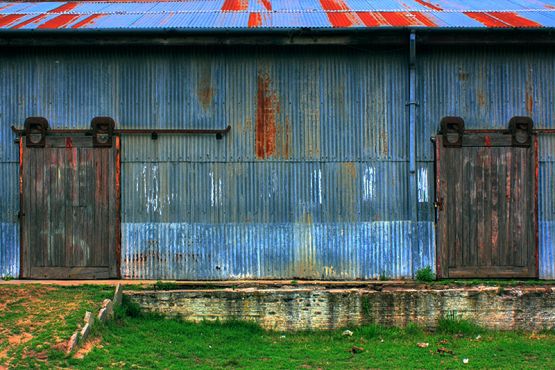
205,90
368,184
151,189
216,196
423,185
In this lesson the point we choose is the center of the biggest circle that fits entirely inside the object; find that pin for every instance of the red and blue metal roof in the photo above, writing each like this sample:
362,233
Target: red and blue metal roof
225,15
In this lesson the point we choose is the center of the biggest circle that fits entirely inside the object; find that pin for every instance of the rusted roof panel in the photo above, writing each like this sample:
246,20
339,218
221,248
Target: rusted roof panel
222,15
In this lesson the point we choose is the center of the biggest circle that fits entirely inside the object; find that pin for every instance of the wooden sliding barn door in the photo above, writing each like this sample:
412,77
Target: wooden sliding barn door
69,209
486,204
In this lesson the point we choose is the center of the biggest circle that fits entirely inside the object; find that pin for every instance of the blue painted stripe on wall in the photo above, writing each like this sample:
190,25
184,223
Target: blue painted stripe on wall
304,250
9,250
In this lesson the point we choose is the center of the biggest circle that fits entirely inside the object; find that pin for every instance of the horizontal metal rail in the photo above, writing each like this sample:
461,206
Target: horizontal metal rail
154,131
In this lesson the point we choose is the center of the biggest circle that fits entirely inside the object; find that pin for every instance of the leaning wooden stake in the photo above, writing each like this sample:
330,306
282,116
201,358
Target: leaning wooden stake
105,313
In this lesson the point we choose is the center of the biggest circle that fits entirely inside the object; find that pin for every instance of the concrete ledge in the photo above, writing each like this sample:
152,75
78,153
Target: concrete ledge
527,308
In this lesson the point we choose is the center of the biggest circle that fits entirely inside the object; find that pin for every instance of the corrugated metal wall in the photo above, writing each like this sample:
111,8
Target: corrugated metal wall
312,181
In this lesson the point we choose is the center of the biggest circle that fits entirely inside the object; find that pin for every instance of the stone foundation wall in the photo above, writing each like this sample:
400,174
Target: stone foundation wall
528,308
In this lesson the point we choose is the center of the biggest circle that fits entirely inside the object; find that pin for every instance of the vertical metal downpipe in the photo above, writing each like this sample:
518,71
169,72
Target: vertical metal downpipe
412,152
412,104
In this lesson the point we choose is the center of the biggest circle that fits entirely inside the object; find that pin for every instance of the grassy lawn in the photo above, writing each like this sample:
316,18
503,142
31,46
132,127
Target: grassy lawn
37,320
146,341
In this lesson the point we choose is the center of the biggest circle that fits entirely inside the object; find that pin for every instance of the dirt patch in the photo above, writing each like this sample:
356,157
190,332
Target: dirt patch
87,347
41,356
19,339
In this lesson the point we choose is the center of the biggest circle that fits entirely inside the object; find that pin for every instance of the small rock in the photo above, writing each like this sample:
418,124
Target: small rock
478,337
423,345
347,333
465,361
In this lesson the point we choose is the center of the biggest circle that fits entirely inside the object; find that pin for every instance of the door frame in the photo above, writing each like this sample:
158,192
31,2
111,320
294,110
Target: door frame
442,253
25,262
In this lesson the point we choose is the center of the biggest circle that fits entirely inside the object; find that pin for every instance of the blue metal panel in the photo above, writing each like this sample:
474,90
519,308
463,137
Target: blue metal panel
9,224
458,20
545,18
302,250
9,250
32,8
546,207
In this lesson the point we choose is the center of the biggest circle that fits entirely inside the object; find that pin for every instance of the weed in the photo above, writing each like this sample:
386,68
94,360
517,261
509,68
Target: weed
413,329
129,308
7,278
294,282
454,325
425,274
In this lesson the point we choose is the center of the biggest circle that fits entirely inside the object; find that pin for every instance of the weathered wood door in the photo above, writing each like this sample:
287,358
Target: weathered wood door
486,204
69,209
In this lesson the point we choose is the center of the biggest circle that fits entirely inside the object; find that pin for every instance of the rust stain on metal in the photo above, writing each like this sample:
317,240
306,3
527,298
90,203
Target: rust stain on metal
481,99
463,76
205,91
351,169
59,22
35,19
348,191
67,7
487,140
255,20
529,102
267,4
7,20
429,5
87,21
336,15
529,93
385,144
266,112
284,142
235,5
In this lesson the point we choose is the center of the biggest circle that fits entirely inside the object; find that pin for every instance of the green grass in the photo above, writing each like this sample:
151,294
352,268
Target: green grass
48,315
147,341
37,320
425,274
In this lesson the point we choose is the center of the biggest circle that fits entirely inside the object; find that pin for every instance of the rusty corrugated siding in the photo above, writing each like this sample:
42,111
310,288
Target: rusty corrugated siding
486,86
296,189
312,180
